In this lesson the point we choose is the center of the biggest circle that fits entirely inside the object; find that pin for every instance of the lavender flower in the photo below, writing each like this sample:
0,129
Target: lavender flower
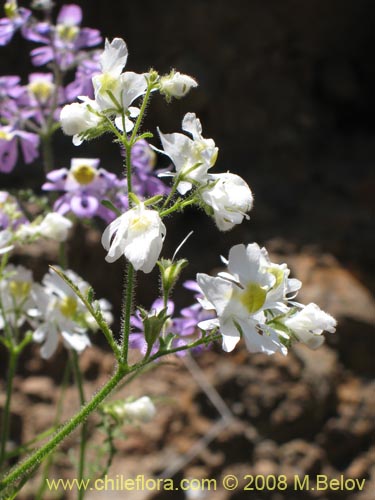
144,179
15,19
9,138
85,186
82,84
62,42
10,90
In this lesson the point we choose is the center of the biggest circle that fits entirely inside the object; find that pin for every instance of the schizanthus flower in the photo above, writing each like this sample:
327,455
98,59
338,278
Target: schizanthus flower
138,234
192,157
60,312
229,198
176,85
252,300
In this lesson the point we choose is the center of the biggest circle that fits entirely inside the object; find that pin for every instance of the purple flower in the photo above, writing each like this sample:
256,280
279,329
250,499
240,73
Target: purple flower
85,186
63,41
82,85
9,87
145,181
187,324
38,97
14,20
10,90
9,138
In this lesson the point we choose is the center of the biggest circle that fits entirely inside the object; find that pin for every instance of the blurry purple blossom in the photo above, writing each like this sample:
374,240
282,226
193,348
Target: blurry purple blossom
63,42
9,139
15,19
82,85
145,179
86,186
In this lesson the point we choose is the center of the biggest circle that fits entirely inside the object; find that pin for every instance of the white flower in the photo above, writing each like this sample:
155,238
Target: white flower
112,62
191,157
137,234
77,118
113,89
239,298
16,302
176,85
309,323
5,238
284,288
60,312
142,409
230,198
55,226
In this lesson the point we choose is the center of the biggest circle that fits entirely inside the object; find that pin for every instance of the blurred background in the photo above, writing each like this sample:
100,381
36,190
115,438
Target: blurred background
286,90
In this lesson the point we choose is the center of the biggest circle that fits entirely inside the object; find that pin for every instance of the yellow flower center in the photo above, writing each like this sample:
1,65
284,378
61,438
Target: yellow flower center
253,297
5,136
68,306
279,275
84,174
19,289
108,83
66,32
10,9
42,90
139,224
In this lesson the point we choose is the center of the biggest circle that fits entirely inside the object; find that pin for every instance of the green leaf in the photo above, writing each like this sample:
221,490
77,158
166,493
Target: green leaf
108,204
90,295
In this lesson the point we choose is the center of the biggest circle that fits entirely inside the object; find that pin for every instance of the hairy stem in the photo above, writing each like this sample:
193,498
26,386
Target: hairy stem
6,412
65,430
82,445
127,311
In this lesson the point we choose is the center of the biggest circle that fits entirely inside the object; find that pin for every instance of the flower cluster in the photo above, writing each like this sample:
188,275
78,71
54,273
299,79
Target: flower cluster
16,228
253,300
85,186
50,309
29,113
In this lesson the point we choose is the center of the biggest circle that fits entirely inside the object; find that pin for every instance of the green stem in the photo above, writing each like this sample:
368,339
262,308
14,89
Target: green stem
14,354
129,170
65,430
62,255
49,127
127,312
172,193
48,463
82,446
69,427
47,152
141,113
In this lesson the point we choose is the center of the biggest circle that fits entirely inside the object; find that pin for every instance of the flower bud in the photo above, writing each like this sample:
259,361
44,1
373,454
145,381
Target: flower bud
176,85
77,118
139,410
55,226
170,271
142,409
